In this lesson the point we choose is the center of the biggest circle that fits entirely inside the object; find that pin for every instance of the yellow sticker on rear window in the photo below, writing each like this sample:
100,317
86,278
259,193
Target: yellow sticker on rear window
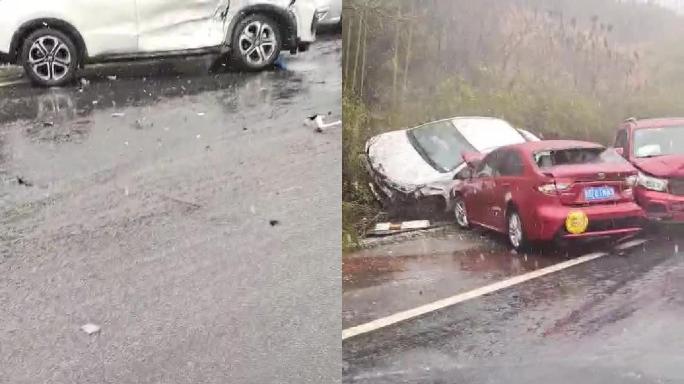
576,222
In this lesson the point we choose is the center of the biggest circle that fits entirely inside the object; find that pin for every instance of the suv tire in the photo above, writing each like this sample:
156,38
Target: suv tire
256,42
49,57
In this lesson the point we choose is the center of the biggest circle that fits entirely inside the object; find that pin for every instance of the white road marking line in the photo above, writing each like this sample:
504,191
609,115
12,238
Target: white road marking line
449,301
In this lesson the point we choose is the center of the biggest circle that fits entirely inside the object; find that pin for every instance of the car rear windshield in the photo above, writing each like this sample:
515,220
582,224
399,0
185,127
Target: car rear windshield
440,144
652,142
551,158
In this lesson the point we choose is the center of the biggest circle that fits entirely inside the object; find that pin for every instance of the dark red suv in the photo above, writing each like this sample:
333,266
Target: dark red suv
548,190
656,148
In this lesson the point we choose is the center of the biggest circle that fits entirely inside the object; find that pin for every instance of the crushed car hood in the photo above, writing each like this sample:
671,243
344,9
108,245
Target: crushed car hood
393,155
662,166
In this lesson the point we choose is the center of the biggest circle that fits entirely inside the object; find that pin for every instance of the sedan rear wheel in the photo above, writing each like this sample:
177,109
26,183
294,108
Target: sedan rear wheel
516,234
460,213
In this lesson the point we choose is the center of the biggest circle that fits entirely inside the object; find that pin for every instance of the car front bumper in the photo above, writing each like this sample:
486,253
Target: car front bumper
604,220
305,21
661,206
391,192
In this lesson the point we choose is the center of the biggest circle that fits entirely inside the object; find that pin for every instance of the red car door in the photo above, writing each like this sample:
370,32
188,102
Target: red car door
509,172
488,196
482,186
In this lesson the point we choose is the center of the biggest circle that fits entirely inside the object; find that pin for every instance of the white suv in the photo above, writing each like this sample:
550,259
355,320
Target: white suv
53,38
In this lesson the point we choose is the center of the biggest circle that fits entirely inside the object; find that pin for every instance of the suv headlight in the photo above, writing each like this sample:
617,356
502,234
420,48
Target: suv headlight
652,183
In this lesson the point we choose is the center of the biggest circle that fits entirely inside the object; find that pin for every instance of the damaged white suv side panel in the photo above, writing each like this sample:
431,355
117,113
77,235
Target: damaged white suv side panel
53,38
165,25
189,24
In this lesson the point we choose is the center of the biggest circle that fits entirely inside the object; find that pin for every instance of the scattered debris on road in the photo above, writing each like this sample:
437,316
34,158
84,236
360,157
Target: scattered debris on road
118,114
141,124
274,223
111,77
24,182
384,229
90,328
436,229
189,204
319,125
279,63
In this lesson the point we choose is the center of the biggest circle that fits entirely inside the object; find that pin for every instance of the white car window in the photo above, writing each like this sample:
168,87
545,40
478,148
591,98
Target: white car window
486,134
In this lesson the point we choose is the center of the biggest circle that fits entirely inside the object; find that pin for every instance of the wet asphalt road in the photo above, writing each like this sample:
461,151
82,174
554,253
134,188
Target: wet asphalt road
617,319
175,209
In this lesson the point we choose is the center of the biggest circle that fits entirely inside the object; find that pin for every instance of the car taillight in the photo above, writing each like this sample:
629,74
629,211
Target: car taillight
553,188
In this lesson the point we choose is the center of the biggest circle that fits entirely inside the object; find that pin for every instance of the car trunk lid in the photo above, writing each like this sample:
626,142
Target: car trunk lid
590,184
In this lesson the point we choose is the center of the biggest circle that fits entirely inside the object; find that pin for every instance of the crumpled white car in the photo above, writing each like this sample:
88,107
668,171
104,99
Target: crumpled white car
53,38
421,162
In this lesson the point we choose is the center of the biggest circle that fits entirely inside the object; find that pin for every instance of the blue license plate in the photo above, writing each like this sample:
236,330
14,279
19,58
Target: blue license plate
598,193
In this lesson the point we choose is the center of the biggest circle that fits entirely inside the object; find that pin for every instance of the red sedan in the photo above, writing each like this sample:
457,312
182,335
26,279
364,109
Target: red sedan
656,148
548,190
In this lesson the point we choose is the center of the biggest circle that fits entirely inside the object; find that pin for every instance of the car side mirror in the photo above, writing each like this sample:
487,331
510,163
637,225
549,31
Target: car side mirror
472,159
465,174
620,151
473,165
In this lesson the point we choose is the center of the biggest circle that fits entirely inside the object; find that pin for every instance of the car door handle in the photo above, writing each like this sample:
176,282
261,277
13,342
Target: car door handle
505,184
